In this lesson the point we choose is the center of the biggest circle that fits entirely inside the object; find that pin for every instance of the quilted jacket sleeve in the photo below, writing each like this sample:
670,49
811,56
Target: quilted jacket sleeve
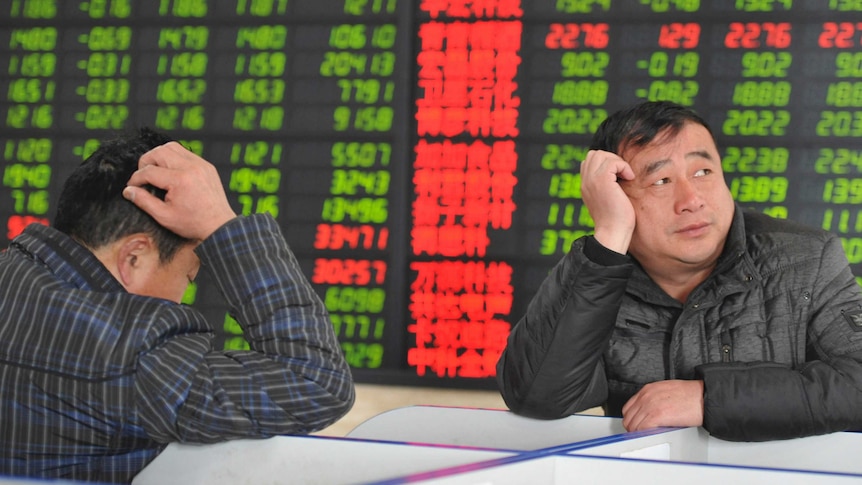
752,401
551,366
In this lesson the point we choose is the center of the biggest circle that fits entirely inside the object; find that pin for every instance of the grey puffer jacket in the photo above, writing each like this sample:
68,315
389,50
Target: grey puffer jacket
775,333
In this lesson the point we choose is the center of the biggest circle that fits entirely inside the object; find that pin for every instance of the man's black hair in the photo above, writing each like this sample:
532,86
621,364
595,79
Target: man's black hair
92,209
638,125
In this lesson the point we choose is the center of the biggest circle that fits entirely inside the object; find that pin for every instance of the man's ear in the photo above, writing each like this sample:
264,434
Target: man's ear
134,259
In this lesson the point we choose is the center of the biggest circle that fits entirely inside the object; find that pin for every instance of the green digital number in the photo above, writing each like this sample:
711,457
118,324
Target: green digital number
256,153
842,221
749,122
568,121
681,92
267,204
352,182
354,299
24,90
100,9
261,64
557,241
248,179
20,175
264,37
347,36
183,8
28,150
35,39
172,91
766,64
565,186
362,355
26,202
755,159
361,210
563,157
584,64
36,64
844,94
33,9
107,90
360,154
184,64
761,93
103,38
193,37
582,92
853,248
582,6
763,5
357,326
361,7
843,190
848,64
759,188
261,8
569,215
840,124
839,161
846,5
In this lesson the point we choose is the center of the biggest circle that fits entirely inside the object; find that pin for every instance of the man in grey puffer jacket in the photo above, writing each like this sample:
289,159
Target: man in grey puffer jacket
682,309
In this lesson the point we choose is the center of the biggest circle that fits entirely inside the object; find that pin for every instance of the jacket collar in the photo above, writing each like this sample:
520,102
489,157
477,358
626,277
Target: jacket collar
66,258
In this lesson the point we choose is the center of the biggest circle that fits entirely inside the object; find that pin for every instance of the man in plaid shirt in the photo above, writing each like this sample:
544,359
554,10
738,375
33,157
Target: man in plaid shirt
101,367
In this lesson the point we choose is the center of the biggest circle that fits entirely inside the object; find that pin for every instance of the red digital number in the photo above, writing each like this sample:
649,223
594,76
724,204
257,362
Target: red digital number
572,36
676,35
748,35
838,34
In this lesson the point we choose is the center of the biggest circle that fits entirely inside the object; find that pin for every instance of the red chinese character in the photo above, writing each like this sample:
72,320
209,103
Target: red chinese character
427,154
482,63
429,121
451,240
453,121
428,182
431,63
500,213
426,212
450,276
472,365
475,242
473,305
504,158
432,93
454,155
424,240
507,65
505,123
479,121
476,213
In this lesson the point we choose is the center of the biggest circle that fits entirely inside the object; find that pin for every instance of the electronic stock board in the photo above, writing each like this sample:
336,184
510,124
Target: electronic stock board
422,156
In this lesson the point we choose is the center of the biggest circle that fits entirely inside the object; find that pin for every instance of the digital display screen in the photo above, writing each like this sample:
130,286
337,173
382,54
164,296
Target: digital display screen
421,156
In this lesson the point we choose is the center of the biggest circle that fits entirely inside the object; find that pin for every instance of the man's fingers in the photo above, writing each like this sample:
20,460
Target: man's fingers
163,156
151,175
146,201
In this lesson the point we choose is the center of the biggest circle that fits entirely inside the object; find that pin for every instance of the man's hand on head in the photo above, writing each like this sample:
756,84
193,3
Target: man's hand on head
610,207
195,203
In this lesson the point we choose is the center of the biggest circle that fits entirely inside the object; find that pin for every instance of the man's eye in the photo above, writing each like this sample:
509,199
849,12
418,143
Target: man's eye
662,181
702,172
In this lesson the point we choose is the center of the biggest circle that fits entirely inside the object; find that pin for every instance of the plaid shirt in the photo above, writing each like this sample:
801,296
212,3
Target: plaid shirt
95,381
